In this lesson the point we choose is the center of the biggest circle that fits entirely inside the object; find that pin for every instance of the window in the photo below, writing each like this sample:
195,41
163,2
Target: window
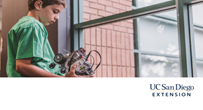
162,45
158,45
198,36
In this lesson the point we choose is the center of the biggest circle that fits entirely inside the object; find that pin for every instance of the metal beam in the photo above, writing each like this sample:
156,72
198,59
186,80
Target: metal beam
184,39
128,15
77,39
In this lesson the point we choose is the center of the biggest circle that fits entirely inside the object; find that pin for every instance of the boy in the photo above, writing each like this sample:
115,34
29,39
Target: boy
29,52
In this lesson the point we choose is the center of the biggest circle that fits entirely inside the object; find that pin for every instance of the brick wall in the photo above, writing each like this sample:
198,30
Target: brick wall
114,41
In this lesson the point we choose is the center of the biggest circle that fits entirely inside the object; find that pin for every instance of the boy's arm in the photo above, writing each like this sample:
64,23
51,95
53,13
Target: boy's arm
24,67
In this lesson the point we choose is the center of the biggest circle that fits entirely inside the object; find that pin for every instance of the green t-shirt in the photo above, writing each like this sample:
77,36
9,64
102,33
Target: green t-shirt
27,39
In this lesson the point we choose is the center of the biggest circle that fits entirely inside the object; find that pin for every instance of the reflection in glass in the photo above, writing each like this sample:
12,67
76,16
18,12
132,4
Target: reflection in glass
200,68
198,37
156,66
158,34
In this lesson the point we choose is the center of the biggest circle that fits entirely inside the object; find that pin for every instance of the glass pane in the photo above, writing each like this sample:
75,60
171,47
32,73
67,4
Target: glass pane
200,68
158,33
198,36
144,3
94,9
156,66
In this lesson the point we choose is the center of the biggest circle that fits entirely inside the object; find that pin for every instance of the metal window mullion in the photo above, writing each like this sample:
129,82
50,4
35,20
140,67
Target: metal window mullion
81,36
184,39
192,41
136,40
136,45
77,40
75,20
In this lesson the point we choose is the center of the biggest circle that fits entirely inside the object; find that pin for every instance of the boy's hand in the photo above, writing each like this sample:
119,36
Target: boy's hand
71,73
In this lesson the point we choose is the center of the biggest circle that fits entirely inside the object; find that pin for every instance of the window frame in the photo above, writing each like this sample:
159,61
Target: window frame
186,34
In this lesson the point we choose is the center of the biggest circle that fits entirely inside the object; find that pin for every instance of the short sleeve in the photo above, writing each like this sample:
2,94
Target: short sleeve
30,43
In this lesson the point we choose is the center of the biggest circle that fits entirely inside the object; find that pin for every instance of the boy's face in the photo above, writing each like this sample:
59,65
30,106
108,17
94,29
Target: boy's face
50,14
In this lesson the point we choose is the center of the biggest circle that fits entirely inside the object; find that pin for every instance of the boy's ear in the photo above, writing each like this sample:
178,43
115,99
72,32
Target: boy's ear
38,4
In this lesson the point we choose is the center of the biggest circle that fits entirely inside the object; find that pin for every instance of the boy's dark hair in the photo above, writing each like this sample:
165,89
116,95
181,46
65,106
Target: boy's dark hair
46,3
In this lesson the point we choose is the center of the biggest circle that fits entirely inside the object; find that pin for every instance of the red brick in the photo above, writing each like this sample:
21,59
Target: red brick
127,3
97,6
120,28
101,13
104,2
99,49
90,10
92,17
119,6
116,23
114,39
129,9
122,40
87,47
131,42
132,59
130,21
104,37
118,51
128,58
129,25
127,41
123,69
123,57
92,1
128,72
132,72
104,71
117,1
85,3
85,20
93,36
111,9
121,11
130,30
114,57
109,37
94,55
98,36
107,26
87,36
104,13
104,56
99,71
115,74
109,71
109,56
118,39
86,16
119,71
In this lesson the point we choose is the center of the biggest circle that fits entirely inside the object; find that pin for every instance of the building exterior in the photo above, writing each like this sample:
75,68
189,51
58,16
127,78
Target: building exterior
114,41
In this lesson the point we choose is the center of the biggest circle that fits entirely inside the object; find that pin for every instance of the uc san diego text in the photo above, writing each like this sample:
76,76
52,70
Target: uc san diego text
177,90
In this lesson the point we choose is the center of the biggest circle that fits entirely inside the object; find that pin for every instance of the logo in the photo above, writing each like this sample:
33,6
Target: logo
177,90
